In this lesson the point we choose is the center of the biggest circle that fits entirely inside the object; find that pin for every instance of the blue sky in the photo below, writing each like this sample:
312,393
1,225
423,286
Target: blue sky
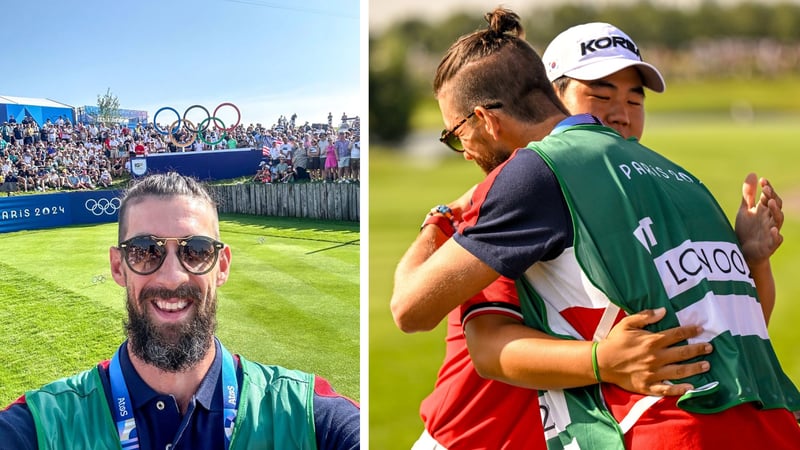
268,57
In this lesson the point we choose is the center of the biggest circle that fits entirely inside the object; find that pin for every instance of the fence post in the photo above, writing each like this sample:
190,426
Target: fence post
325,201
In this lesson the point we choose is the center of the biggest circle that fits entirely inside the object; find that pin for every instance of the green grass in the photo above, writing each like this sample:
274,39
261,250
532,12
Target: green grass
292,299
719,96
403,367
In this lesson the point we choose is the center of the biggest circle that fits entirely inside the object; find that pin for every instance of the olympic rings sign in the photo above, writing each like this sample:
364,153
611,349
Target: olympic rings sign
202,127
103,206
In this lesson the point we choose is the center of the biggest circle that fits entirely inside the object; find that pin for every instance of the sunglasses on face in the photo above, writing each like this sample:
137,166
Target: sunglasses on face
450,139
145,254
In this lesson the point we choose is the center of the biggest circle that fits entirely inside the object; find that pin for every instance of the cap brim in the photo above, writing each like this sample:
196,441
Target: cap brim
651,77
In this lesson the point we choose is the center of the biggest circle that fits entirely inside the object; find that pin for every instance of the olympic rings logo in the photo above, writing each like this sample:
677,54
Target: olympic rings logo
103,206
199,131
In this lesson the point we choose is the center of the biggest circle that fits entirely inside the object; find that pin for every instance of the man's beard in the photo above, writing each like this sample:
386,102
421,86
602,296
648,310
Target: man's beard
490,163
492,155
171,347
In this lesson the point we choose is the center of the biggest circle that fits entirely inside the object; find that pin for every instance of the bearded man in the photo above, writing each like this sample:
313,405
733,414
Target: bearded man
172,384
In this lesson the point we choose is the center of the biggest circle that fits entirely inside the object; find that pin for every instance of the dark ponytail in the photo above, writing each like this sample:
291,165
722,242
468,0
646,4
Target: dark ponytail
497,65
504,21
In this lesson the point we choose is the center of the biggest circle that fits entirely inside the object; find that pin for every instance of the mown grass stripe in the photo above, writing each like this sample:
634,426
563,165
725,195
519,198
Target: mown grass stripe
49,332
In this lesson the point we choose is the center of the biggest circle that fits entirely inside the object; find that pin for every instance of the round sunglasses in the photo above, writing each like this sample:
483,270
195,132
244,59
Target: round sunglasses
145,254
451,139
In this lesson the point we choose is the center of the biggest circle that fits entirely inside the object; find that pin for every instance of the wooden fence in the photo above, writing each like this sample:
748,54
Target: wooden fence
326,201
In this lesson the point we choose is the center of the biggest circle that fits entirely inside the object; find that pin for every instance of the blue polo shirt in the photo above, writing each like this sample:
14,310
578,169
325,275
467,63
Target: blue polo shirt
160,424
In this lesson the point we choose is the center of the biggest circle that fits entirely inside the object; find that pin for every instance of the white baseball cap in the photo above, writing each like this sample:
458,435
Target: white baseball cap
595,50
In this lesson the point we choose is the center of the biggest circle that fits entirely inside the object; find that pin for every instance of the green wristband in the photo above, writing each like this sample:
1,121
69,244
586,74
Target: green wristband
595,367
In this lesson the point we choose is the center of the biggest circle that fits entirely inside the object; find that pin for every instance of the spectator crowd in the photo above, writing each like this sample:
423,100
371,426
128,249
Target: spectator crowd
318,153
53,156
60,155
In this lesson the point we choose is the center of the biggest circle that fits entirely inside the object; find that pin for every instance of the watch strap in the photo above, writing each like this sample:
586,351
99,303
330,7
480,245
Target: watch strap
440,221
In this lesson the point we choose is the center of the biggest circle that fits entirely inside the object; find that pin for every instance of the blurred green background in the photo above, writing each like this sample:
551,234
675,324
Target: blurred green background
732,106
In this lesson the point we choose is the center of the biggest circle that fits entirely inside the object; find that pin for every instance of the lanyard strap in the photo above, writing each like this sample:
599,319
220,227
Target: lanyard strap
230,394
123,408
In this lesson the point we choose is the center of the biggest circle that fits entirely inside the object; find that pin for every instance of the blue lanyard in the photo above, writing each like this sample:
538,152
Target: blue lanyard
123,408
578,119
230,394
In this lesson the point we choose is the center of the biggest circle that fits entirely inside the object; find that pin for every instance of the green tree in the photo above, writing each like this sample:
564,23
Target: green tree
108,107
392,95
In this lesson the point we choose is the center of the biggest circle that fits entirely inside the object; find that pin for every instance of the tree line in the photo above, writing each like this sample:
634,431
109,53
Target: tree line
745,39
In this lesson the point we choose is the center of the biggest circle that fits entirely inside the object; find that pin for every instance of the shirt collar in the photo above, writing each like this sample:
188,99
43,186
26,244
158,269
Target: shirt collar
577,119
141,393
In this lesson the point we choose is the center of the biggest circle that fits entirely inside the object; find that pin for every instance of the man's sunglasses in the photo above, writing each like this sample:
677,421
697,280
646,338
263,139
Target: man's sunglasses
450,139
145,254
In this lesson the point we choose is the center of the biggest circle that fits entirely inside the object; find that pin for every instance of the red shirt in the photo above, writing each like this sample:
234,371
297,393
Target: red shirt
465,411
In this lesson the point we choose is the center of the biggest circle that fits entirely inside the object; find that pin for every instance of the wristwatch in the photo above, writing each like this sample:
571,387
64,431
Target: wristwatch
442,209
442,217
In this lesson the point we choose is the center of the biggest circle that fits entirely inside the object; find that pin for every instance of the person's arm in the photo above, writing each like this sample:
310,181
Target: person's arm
758,225
337,419
431,280
637,360
17,429
508,226
436,274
